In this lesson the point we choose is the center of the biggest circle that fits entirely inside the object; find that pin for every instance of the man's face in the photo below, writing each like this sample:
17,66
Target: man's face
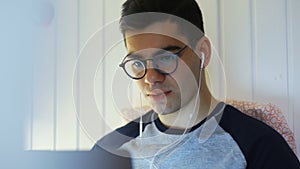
165,93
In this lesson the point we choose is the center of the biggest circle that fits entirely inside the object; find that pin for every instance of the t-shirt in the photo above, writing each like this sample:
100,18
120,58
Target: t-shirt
226,139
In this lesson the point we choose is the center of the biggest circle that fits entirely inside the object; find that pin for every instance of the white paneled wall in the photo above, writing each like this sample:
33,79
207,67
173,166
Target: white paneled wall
60,99
90,13
257,42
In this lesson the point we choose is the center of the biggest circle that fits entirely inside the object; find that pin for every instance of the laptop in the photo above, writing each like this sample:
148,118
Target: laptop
76,160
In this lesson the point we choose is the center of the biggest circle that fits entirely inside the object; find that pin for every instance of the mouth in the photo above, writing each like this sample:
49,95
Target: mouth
158,94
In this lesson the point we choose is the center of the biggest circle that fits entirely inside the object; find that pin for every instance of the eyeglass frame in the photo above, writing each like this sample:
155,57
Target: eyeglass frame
144,61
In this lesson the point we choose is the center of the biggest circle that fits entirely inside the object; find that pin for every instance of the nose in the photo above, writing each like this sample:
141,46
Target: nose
153,76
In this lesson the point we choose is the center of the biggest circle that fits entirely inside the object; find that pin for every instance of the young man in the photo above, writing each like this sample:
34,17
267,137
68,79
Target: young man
187,127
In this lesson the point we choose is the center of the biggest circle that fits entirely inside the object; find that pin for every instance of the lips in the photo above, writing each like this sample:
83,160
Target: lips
158,94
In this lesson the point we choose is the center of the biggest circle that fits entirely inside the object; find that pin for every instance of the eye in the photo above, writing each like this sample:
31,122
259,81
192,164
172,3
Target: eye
165,58
137,64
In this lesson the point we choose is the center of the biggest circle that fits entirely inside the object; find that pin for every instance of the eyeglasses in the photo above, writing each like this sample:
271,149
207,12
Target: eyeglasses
165,63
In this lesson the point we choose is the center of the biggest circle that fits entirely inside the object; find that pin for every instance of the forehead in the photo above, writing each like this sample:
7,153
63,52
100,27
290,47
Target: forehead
157,35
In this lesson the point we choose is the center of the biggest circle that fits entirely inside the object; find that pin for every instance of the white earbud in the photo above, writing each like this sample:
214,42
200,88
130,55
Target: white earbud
202,60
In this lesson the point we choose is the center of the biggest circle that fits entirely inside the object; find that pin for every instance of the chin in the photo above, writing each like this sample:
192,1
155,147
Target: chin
162,113
165,107
163,110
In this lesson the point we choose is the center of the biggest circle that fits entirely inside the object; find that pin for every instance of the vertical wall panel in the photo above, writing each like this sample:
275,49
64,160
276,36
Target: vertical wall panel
271,58
94,17
228,26
44,82
113,10
237,48
66,37
91,14
290,61
294,35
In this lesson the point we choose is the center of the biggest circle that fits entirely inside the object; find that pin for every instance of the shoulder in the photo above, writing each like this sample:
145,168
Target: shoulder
234,120
261,144
245,129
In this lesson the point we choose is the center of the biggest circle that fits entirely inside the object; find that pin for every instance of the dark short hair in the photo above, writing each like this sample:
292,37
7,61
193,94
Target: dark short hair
187,10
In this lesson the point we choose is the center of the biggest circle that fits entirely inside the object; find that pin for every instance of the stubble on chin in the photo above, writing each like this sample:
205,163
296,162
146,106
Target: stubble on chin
165,108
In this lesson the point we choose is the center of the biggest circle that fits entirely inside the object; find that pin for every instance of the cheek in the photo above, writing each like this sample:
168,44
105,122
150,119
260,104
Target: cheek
188,71
194,65
191,62
186,78
139,84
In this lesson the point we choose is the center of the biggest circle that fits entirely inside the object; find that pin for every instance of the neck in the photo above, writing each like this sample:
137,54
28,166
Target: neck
189,115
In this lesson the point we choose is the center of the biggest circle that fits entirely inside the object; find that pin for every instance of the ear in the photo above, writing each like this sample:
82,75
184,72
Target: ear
204,46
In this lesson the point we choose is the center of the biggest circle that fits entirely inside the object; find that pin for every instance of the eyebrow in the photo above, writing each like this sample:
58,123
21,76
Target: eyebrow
161,50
